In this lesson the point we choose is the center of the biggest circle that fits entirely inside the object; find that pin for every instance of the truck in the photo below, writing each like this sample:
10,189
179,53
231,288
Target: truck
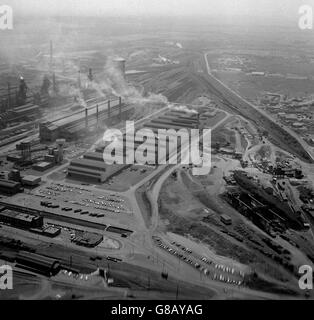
226,220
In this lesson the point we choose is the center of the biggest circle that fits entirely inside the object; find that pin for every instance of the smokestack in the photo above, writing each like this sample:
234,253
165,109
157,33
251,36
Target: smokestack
86,118
9,95
79,79
120,108
55,89
97,114
22,93
108,109
90,74
51,55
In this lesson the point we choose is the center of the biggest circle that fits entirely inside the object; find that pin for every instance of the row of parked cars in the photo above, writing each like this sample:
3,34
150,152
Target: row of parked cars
111,203
68,209
182,247
220,267
76,276
226,279
175,253
49,205
65,188
201,268
103,205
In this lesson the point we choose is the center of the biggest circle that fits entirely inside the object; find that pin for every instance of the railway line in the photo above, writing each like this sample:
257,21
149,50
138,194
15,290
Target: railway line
281,136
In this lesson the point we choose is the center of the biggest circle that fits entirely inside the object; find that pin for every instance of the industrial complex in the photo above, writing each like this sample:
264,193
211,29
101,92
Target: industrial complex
144,167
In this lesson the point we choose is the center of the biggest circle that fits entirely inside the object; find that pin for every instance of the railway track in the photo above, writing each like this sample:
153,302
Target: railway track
279,135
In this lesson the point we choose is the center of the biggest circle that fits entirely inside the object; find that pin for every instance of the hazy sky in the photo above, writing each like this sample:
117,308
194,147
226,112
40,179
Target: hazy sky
266,8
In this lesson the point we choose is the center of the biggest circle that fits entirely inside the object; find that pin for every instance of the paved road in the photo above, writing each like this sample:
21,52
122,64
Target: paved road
154,194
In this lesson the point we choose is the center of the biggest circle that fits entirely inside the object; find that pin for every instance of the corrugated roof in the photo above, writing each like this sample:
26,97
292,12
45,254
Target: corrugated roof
31,178
8,183
73,169
95,165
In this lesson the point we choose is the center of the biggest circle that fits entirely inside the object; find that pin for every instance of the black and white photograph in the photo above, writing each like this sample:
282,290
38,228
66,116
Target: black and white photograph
156,150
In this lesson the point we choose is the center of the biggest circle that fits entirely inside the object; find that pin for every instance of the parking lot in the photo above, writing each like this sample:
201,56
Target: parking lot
215,271
74,196
57,208
128,178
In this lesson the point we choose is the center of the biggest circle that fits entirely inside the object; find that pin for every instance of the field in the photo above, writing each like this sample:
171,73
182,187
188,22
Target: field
192,206
253,87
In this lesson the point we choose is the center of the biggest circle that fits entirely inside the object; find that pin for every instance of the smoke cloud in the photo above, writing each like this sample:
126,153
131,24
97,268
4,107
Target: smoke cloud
183,109
114,83
109,83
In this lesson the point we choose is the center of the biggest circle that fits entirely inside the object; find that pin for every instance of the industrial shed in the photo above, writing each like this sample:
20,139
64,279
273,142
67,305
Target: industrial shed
21,220
87,239
10,187
93,169
37,263
43,166
96,156
31,181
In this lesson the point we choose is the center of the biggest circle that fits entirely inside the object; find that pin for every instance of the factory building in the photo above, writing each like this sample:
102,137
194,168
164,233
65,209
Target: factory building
94,165
101,156
55,155
10,187
89,240
28,110
76,125
31,181
93,170
43,166
21,220
96,156
49,231
166,144
49,131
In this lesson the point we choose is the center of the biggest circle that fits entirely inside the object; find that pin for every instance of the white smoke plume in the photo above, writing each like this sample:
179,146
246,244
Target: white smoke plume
179,45
71,90
113,83
183,109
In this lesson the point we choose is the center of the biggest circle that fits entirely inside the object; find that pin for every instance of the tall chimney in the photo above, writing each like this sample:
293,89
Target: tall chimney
54,82
108,109
86,118
79,79
90,74
9,95
51,55
120,108
97,114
